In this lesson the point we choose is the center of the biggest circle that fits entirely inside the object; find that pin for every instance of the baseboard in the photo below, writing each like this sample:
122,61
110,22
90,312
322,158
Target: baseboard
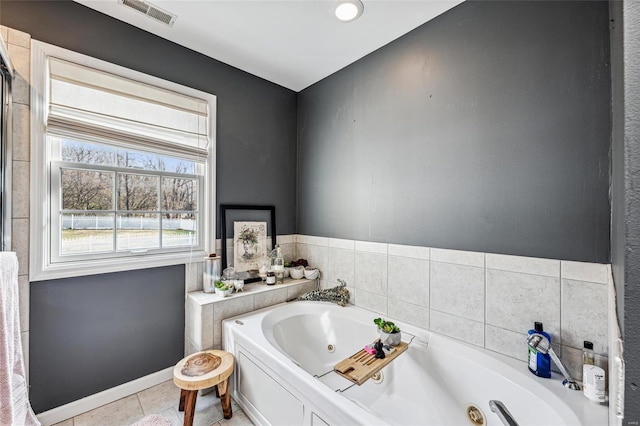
99,399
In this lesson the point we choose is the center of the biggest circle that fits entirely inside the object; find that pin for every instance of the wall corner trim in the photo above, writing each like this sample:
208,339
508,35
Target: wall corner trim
616,359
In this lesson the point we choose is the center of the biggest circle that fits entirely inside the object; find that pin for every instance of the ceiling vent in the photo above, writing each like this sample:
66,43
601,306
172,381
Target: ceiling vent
151,11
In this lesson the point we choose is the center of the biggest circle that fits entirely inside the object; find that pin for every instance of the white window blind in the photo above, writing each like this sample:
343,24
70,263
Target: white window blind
84,99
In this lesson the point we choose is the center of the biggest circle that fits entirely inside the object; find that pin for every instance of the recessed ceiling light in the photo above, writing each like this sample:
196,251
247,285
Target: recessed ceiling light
348,10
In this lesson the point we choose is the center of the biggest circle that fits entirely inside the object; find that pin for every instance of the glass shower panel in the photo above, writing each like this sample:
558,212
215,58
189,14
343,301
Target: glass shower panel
6,74
2,160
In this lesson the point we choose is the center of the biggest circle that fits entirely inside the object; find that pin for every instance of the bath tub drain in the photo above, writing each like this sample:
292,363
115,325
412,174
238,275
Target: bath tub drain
377,378
330,347
475,415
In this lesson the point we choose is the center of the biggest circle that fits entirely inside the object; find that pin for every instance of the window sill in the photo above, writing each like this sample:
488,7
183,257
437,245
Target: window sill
104,266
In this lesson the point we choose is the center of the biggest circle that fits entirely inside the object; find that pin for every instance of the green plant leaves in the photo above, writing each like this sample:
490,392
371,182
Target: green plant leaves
386,326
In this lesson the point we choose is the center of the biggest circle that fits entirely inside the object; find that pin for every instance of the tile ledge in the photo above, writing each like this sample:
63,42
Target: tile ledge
203,299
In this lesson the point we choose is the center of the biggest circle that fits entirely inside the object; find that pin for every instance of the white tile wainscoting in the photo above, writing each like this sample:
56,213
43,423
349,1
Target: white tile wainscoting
205,311
488,300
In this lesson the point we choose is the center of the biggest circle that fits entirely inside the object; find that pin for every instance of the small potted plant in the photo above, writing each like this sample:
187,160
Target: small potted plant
388,331
311,273
296,268
223,288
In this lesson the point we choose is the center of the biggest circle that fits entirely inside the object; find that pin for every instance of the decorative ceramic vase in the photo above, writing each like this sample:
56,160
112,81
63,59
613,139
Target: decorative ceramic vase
311,273
238,285
390,339
296,272
224,293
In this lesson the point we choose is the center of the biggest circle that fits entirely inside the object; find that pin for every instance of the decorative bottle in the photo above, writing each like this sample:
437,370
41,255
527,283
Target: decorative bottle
278,265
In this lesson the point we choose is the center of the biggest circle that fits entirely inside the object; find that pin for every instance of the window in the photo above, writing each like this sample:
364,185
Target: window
117,200
126,162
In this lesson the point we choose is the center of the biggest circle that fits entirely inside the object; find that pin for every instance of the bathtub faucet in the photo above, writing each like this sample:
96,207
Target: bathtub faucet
502,412
543,345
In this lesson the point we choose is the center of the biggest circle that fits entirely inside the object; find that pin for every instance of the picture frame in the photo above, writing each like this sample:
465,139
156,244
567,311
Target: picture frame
245,215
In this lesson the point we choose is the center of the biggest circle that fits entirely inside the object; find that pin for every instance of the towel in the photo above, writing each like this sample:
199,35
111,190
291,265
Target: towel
15,409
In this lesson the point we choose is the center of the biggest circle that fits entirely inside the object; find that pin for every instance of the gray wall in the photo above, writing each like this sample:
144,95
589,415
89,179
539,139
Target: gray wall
486,129
625,227
256,121
256,133
92,333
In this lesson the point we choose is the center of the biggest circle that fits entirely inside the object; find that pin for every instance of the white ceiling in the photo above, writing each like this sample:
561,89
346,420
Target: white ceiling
293,43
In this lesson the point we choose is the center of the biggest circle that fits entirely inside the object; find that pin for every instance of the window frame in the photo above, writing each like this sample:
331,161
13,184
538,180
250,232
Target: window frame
44,263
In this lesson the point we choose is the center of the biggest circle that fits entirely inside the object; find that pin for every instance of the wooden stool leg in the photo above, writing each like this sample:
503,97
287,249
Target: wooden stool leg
225,399
183,395
190,407
217,391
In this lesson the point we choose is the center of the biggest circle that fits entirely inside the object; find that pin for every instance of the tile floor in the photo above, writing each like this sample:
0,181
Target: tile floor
162,400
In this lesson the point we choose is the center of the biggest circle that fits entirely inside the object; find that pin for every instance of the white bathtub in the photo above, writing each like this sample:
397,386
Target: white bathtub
284,375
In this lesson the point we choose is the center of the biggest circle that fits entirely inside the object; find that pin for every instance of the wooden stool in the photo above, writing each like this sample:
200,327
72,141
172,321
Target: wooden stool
200,371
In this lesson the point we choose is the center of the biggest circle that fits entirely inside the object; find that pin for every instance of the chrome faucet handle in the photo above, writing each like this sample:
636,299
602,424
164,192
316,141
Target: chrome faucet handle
539,342
543,345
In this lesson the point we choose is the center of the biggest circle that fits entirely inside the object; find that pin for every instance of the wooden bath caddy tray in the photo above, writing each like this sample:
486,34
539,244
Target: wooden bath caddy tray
360,366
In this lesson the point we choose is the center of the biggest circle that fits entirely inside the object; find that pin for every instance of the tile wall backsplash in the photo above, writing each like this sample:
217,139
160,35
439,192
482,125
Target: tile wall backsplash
488,300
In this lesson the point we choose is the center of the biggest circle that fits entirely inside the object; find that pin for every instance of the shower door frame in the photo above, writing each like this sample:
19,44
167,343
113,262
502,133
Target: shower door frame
6,77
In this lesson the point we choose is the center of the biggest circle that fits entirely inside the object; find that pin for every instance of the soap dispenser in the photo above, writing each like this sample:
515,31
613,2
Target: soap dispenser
539,363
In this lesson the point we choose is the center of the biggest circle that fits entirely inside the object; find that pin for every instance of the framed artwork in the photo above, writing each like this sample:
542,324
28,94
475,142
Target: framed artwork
245,231
249,245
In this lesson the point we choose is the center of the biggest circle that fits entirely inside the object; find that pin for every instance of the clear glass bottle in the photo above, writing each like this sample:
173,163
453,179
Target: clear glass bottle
278,265
211,273
588,356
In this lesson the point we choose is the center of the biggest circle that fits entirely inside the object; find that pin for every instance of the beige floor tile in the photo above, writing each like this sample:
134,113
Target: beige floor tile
239,418
122,412
160,397
162,400
208,410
